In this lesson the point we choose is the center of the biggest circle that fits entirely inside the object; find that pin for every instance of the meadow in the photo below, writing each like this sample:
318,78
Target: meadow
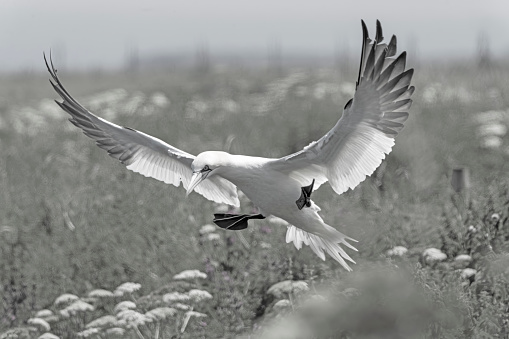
90,249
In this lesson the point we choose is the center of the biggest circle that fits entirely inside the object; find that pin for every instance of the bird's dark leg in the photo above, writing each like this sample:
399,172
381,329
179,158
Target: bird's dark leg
305,196
234,222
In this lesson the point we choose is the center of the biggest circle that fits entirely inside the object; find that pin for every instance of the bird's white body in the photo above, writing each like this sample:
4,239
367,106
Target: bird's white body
344,156
273,192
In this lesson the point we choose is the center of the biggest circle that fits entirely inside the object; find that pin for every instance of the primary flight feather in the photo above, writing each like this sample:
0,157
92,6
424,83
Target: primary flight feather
345,156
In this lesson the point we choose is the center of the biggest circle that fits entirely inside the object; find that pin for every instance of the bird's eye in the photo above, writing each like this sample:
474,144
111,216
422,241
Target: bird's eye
206,168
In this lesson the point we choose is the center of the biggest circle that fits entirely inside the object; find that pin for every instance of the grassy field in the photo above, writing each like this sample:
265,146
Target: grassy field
73,220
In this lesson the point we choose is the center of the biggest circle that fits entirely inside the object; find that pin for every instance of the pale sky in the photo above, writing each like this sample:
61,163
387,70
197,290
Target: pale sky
97,33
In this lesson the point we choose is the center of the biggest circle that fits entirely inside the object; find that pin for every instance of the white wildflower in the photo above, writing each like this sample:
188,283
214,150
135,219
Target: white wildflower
130,319
397,251
25,122
65,299
107,98
160,100
124,305
319,91
64,313
88,332
495,129
213,237
50,109
175,296
161,313
432,255
133,103
48,335
472,229
199,295
430,94
16,332
115,331
495,217
181,306
208,228
463,258
128,287
491,142
78,306
467,273
281,305
52,319
314,301
41,323
230,106
195,108
105,321
287,287
190,274
489,117
100,293
265,245
462,261
44,313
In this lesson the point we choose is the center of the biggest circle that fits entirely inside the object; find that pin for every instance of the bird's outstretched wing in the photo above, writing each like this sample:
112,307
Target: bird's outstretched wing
359,141
141,152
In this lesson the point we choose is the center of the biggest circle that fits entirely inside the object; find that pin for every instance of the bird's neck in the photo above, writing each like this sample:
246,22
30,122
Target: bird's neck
242,167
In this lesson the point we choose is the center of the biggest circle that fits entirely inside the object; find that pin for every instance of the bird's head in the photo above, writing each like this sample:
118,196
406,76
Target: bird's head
204,166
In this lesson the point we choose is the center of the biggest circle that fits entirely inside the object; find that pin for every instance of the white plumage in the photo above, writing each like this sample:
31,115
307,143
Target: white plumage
345,156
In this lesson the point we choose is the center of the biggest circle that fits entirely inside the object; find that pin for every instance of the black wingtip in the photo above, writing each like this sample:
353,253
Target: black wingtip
391,48
52,70
365,37
379,33
348,104
234,222
51,62
411,90
46,61
365,33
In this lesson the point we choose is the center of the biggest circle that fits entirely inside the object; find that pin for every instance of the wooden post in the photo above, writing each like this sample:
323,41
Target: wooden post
460,181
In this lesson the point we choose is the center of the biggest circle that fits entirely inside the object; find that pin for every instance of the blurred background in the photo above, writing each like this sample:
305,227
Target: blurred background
90,249
117,34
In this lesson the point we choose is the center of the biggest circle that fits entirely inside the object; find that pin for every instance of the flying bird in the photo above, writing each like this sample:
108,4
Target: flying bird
281,187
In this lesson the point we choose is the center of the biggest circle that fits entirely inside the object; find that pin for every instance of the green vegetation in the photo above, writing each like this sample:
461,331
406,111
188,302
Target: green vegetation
72,220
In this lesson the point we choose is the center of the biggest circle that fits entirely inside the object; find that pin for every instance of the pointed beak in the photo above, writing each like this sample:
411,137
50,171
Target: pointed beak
195,180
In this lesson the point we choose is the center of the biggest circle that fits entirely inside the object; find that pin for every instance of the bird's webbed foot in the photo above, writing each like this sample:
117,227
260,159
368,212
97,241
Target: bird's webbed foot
234,222
305,196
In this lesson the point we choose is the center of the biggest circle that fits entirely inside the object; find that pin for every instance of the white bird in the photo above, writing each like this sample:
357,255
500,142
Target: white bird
344,157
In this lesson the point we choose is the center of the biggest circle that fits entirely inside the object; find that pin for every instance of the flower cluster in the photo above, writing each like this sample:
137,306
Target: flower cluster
145,315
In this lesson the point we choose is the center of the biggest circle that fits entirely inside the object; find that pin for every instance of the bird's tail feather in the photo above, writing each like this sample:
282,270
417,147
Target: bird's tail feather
330,243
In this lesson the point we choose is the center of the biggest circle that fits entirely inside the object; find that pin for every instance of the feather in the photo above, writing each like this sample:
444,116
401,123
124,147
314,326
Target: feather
140,152
319,244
